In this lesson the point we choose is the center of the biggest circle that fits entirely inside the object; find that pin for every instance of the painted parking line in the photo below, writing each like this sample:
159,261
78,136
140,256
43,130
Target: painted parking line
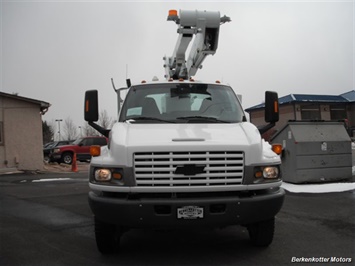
53,180
50,179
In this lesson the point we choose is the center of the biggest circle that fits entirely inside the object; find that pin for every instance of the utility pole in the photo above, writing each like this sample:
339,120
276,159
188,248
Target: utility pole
59,120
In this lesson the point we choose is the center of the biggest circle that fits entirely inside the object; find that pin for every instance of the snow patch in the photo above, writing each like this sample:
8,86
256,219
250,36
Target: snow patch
318,188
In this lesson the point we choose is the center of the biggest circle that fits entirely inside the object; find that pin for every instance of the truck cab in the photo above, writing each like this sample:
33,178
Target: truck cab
182,154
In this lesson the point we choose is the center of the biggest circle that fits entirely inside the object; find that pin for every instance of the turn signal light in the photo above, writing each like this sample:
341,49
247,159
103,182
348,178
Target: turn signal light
95,150
259,174
87,105
276,107
277,148
117,176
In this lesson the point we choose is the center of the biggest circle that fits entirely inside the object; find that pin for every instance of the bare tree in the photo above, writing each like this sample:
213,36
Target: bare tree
87,131
70,129
104,120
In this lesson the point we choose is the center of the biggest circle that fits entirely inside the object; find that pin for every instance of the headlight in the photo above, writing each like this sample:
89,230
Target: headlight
103,175
109,174
56,151
267,172
271,172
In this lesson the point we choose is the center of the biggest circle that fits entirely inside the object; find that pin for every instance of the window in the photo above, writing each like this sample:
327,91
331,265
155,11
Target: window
337,112
310,112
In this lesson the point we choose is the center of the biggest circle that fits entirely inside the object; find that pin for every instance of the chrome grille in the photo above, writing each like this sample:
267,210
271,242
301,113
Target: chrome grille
158,168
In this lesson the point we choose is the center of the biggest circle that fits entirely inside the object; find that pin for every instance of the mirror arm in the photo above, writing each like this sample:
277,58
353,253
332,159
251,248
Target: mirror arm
100,129
262,129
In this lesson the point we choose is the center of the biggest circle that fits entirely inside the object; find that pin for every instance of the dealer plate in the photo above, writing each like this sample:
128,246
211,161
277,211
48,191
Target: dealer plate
190,212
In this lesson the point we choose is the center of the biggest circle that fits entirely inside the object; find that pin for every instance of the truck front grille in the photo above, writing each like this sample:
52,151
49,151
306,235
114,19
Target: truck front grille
166,169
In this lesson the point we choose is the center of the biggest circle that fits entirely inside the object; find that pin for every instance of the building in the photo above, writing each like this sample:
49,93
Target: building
306,107
21,145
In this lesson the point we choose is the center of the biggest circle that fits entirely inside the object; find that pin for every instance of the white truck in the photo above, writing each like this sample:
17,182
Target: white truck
182,153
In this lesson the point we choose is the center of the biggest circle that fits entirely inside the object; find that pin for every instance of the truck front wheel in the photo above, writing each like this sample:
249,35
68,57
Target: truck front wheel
262,233
107,237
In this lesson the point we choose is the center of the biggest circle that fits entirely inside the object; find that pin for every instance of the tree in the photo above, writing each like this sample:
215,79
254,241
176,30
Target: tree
47,132
104,120
70,129
88,131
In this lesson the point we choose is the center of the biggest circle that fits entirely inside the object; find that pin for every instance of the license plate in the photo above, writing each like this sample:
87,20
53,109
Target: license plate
190,212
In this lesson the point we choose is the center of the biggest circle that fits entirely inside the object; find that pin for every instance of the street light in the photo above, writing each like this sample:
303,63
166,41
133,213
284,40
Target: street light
59,120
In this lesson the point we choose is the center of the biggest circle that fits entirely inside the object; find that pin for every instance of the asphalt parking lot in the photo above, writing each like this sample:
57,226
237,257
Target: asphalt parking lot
45,220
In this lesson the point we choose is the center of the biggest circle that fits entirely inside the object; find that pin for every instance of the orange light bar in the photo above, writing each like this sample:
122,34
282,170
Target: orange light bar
218,82
277,148
87,104
276,107
95,150
173,12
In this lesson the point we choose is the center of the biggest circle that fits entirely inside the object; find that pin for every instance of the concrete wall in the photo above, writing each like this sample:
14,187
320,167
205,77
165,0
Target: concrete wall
22,146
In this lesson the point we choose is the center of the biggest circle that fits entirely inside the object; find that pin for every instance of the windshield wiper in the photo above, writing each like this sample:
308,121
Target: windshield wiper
137,118
197,117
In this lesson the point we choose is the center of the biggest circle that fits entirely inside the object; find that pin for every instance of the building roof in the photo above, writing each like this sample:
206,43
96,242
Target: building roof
311,98
43,105
350,96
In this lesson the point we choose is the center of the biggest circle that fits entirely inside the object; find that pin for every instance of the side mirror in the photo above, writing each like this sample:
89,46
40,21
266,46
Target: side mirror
271,107
91,106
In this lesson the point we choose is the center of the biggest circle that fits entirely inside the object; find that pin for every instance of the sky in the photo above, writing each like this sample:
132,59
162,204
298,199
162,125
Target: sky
54,51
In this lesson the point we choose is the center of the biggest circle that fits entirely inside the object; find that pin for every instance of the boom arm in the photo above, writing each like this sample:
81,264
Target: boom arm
203,24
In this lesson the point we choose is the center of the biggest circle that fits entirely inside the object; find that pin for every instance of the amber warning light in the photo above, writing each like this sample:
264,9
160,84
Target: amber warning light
87,104
173,15
172,12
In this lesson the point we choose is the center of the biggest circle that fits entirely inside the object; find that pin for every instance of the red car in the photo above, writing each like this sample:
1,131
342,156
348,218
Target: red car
81,146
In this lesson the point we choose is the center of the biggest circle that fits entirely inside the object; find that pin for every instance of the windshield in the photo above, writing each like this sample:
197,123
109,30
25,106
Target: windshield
181,103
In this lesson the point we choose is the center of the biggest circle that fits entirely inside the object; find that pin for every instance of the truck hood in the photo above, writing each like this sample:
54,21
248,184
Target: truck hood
157,135
126,139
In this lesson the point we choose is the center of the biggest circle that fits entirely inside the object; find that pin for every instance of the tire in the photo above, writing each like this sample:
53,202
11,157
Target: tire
46,158
67,158
261,234
107,237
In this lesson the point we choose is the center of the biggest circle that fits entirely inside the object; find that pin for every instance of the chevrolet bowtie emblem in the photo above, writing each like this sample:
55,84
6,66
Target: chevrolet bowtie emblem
190,169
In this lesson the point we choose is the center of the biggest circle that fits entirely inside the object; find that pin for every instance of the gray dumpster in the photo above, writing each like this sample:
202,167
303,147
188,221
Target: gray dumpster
315,152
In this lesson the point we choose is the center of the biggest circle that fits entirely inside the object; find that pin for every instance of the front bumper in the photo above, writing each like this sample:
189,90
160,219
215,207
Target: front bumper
220,209
54,157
